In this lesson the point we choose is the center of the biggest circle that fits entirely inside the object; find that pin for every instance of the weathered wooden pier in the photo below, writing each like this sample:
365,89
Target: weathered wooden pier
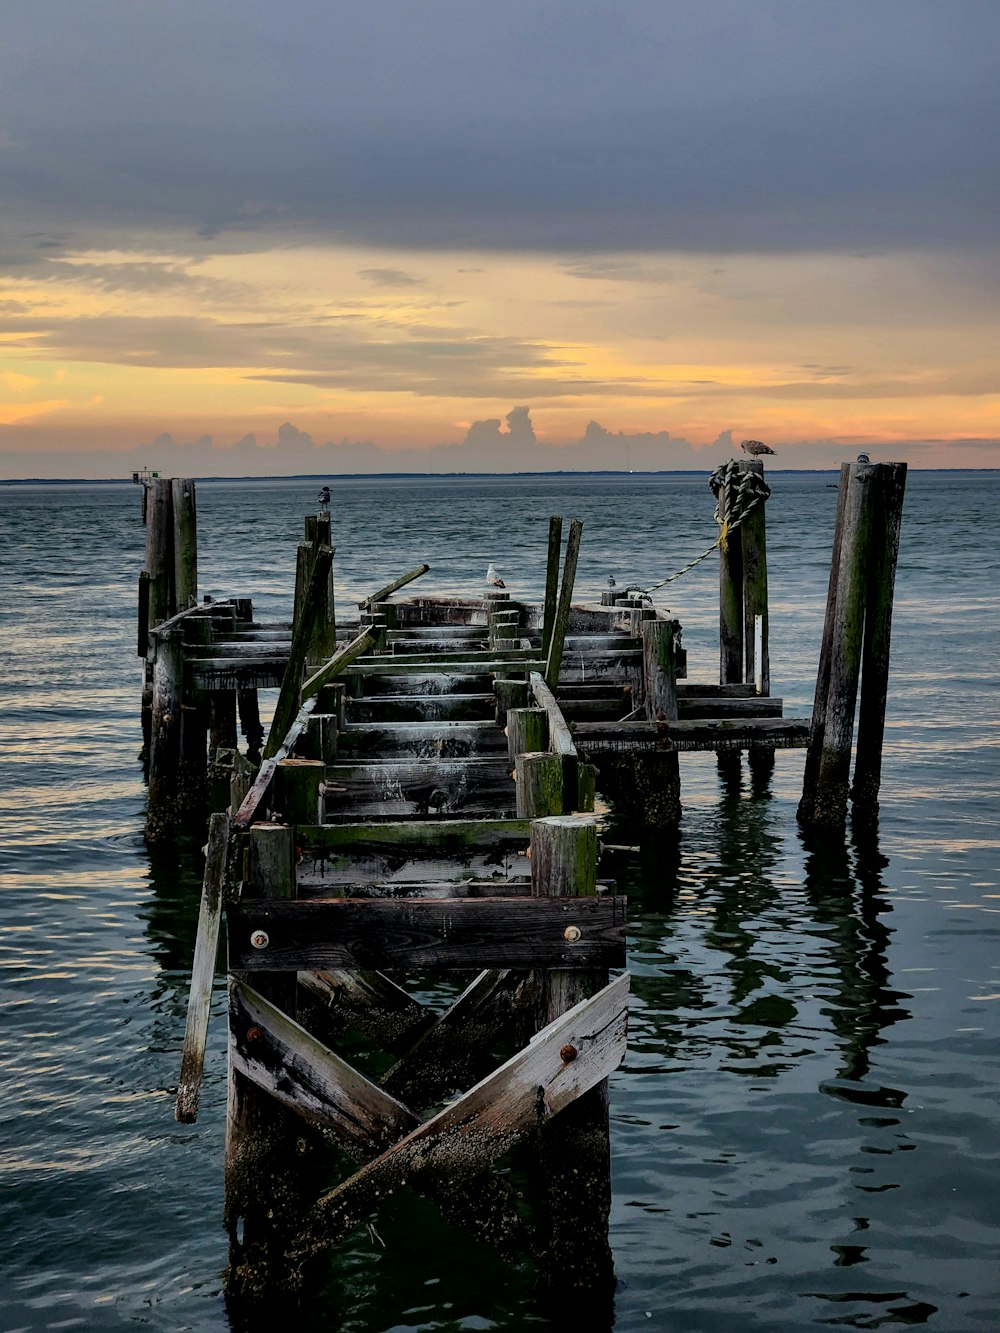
424,802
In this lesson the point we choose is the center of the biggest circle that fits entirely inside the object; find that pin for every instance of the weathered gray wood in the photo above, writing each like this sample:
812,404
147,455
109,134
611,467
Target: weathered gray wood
340,1000
539,780
575,1156
420,787
527,732
753,541
185,543
509,694
245,814
551,582
379,933
363,643
595,668
421,740
730,602
295,1068
243,773
830,803
698,689
160,551
438,882
297,784
442,837
164,807
596,738
248,709
560,737
704,706
395,586
508,1105
810,774
142,626
890,483
422,707
659,670
553,660
206,948
456,1051
291,695
468,658
420,684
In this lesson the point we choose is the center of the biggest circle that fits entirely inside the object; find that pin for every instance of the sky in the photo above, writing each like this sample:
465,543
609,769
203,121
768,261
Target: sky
243,237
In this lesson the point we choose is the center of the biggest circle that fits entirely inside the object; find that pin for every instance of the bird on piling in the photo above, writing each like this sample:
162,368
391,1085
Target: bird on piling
323,498
493,578
755,448
611,581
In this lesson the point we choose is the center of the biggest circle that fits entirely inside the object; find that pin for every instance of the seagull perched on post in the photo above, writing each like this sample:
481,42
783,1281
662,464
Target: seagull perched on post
493,578
611,581
755,448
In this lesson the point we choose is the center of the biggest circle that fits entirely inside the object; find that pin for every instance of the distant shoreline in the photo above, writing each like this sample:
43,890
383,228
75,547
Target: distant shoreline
444,476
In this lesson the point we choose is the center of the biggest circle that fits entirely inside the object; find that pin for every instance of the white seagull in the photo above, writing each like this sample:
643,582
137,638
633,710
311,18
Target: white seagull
493,578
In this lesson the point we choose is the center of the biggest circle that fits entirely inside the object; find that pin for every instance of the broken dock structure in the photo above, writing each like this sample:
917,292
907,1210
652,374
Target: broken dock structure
423,802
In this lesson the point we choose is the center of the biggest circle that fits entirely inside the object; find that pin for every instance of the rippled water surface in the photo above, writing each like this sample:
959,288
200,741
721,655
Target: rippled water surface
806,1129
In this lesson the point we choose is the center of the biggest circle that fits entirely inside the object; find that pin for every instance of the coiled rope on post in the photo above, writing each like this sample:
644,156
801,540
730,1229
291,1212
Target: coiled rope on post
742,492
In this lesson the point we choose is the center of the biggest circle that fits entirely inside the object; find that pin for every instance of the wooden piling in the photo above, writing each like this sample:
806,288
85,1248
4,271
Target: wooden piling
297,785
160,552
731,652
270,1162
659,670
527,732
185,543
291,685
539,779
753,543
829,804
554,655
551,581
164,810
890,484
509,694
575,1152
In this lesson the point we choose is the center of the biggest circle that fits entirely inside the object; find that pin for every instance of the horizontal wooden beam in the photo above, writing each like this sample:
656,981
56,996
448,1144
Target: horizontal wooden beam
421,740
596,738
486,665
689,689
315,934
238,673
458,707
335,666
703,707
392,788
394,586
440,837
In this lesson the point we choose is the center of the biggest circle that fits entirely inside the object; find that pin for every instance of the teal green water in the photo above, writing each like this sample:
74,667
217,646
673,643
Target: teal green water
805,1129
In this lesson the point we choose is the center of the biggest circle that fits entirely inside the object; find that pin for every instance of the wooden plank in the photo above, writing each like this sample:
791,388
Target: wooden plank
551,581
596,738
206,948
290,697
335,666
420,685
280,1056
353,883
699,689
316,934
595,668
438,851
422,707
238,673
488,664
706,707
395,586
505,1107
421,787
421,740
481,657
560,738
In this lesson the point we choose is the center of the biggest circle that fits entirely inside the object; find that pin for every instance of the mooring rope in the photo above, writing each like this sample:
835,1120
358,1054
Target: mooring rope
742,492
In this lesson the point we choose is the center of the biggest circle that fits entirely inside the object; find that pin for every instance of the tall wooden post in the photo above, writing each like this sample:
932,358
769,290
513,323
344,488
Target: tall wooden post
551,582
890,482
730,603
826,805
553,662
160,552
185,543
753,541
575,1158
163,807
527,732
269,1165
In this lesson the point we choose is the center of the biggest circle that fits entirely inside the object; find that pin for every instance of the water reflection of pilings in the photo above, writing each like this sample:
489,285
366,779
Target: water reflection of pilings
844,886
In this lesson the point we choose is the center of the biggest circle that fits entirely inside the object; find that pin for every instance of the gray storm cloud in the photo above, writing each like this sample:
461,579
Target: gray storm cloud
722,126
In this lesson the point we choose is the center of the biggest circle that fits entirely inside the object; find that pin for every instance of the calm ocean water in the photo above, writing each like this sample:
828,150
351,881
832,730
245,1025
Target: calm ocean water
806,1130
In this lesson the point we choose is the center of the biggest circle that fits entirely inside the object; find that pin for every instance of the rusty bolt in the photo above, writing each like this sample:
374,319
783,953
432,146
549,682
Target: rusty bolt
568,1054
260,939
254,1034
571,934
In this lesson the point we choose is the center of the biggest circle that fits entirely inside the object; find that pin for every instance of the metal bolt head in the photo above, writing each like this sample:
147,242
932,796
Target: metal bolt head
260,939
254,1033
568,1054
571,934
